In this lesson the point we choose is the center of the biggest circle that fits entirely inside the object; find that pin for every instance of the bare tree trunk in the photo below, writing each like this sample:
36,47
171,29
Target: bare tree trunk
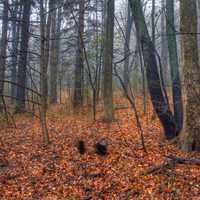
174,66
108,60
164,50
127,46
144,88
190,137
22,64
198,27
15,41
79,68
153,27
4,40
158,99
45,36
54,53
52,59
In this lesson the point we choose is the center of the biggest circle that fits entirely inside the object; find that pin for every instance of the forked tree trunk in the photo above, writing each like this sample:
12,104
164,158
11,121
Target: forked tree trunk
190,136
154,84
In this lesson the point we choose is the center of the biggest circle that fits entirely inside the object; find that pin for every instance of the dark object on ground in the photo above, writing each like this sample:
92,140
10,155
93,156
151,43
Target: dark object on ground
3,163
81,147
101,148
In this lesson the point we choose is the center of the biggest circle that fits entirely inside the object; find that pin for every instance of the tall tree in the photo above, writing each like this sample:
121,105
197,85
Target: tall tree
16,15
129,23
22,64
3,49
108,59
159,100
54,52
153,26
198,27
164,49
190,137
45,27
79,68
173,58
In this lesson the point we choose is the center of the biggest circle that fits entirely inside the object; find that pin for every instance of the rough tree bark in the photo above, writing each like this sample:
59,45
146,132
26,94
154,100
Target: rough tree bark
154,84
174,66
44,49
3,48
54,53
164,51
190,136
198,27
79,68
22,64
129,24
108,59
16,14
153,27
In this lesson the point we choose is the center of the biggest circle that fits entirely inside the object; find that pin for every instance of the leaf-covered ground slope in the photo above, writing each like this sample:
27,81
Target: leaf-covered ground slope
29,171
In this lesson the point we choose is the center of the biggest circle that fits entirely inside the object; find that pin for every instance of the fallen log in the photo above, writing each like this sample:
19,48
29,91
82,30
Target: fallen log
159,168
180,160
171,163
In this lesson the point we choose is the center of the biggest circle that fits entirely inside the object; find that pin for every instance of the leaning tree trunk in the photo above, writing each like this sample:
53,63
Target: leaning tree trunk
79,68
173,57
154,84
108,60
3,48
22,65
190,136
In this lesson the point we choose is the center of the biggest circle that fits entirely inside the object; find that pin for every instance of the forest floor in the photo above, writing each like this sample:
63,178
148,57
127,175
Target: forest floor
30,171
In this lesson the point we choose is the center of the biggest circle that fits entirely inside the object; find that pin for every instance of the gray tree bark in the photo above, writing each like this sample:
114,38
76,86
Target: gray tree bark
16,14
79,68
3,48
174,66
129,24
22,64
158,98
190,136
108,60
164,49
153,27
44,49
54,53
